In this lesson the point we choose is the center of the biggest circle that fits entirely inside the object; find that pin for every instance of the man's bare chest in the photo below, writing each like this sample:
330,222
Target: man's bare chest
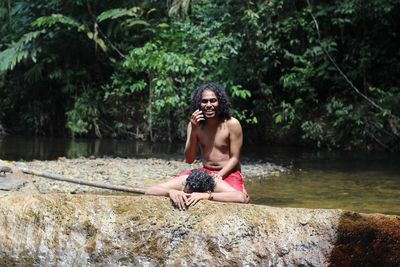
214,138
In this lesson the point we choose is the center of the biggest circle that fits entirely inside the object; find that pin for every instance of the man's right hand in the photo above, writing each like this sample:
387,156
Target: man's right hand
197,117
178,197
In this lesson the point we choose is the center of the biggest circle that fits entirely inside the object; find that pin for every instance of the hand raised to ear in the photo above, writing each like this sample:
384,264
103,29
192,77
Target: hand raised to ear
197,117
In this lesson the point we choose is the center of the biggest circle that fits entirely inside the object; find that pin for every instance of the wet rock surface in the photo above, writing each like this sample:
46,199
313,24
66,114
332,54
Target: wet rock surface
98,230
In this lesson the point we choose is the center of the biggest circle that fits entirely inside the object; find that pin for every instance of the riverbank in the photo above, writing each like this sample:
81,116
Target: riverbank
130,172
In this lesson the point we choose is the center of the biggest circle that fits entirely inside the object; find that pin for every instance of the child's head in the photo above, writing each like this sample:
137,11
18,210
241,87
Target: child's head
199,181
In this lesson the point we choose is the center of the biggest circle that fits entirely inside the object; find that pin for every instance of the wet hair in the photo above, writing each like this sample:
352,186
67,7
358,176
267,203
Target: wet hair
200,181
224,108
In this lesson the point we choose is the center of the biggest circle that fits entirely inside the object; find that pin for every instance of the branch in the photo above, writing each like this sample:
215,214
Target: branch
378,141
337,67
98,30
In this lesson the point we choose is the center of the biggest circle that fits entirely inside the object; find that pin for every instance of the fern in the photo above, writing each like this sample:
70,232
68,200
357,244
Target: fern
23,48
19,51
54,19
120,12
35,73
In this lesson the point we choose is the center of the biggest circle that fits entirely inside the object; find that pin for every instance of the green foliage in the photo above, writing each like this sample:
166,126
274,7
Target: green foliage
54,19
85,115
120,12
172,70
314,132
124,69
19,51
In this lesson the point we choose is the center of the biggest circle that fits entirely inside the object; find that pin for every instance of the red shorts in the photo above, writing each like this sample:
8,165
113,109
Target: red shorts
234,179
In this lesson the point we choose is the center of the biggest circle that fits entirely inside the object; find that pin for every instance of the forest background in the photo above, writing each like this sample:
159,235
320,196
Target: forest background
319,73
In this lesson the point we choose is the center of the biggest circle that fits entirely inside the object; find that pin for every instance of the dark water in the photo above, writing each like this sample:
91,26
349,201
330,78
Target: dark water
364,182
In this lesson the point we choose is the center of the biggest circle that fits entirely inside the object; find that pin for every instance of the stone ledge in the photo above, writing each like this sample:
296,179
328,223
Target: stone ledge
93,230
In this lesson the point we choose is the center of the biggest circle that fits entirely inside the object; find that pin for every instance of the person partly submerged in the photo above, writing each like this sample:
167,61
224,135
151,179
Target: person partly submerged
219,137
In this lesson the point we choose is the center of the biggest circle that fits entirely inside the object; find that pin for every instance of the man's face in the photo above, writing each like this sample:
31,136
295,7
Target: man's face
209,104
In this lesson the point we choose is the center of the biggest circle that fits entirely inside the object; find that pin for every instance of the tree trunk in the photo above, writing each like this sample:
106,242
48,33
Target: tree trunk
150,109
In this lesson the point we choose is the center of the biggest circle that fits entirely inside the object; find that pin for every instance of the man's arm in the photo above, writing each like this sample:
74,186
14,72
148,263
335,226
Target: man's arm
236,141
223,192
192,135
191,144
234,196
171,189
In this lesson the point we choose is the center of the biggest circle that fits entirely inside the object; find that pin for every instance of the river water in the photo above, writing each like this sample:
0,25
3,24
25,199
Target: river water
359,181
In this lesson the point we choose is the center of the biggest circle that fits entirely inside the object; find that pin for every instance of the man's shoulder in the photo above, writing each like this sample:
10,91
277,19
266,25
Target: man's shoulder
233,123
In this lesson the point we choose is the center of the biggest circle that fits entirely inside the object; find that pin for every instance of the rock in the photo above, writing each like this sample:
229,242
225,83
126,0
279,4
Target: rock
98,230
4,170
10,183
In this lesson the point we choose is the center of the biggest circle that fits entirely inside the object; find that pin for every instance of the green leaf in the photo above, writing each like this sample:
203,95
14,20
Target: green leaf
135,22
163,25
119,12
278,118
49,21
19,51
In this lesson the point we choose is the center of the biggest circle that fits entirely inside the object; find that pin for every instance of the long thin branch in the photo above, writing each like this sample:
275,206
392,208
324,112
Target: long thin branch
378,141
62,178
373,103
111,43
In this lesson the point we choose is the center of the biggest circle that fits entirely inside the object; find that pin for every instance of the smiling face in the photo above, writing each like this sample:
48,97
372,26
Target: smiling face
209,104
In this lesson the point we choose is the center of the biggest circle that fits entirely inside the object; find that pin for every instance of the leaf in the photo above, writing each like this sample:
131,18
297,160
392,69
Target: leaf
19,51
163,25
101,43
135,22
49,21
118,13
278,118
151,11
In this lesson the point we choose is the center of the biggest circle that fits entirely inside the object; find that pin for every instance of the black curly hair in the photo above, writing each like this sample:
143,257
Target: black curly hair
199,181
224,108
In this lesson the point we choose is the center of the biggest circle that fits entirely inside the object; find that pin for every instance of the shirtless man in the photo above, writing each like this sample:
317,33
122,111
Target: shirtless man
220,138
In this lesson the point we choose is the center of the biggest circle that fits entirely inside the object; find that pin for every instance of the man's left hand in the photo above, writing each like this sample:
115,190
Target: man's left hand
195,197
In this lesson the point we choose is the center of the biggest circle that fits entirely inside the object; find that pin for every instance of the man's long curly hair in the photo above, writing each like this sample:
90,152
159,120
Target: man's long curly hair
200,181
224,108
